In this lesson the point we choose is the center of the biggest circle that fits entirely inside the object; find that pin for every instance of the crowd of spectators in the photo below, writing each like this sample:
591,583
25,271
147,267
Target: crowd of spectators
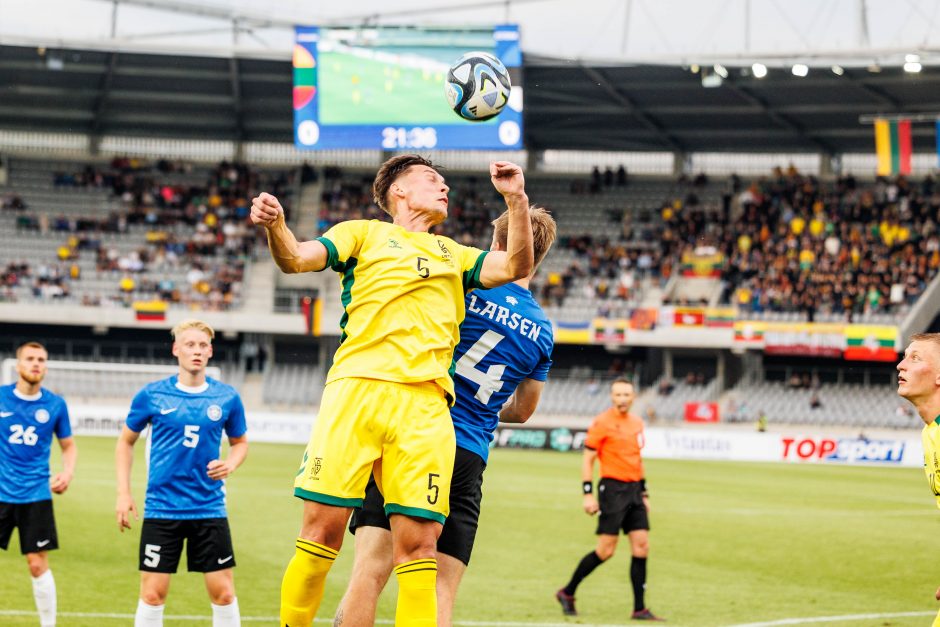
200,232
789,243
846,249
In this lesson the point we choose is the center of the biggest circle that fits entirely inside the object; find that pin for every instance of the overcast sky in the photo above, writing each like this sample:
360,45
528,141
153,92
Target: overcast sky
669,31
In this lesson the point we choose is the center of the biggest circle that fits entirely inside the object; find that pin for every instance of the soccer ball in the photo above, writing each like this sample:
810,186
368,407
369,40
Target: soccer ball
477,86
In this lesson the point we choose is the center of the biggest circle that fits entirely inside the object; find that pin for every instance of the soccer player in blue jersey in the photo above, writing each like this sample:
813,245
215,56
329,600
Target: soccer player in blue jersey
185,501
29,416
501,364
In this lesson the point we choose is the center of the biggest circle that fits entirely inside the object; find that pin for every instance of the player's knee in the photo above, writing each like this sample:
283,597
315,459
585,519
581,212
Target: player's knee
416,548
641,549
153,597
606,552
223,597
37,564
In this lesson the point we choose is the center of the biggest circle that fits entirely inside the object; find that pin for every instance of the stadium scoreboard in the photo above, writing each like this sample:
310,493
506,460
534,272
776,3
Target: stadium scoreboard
383,88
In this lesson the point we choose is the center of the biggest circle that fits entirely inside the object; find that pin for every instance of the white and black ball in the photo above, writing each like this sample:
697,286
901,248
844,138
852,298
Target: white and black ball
477,86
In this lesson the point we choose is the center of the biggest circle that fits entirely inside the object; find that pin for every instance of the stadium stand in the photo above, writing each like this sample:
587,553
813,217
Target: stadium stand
112,234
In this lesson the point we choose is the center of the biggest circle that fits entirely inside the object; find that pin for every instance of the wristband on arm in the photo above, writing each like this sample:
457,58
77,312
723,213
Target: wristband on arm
587,487
643,489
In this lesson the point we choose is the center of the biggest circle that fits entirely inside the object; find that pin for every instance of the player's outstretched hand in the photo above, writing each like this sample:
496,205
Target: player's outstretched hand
937,595
265,209
590,505
60,483
219,470
507,178
125,507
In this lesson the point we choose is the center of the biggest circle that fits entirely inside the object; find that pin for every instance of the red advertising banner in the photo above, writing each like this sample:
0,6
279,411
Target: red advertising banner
701,412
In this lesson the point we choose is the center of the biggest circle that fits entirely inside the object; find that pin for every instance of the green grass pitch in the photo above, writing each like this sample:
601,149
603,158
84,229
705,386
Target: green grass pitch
731,544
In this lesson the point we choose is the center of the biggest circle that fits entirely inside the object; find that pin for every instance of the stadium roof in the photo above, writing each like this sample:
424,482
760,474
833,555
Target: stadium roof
568,105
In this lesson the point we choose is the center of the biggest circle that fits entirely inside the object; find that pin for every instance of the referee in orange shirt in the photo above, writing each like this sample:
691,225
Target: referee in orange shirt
615,437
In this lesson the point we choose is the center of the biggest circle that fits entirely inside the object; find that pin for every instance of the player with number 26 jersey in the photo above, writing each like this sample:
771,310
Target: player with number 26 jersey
505,338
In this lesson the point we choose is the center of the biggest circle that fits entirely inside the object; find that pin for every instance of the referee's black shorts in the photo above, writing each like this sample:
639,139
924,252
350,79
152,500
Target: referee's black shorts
622,508
460,528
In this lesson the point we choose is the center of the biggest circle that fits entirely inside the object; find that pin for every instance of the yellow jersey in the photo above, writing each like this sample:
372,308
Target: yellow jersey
930,437
403,301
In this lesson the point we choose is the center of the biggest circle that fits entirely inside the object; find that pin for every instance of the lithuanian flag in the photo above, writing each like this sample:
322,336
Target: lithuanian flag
870,343
893,145
749,332
150,310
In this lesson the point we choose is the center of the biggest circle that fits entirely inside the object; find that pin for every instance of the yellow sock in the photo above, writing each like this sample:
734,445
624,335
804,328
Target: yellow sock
303,583
417,594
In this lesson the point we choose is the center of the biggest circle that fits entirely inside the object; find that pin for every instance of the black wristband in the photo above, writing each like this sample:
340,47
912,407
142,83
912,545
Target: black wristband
643,487
587,487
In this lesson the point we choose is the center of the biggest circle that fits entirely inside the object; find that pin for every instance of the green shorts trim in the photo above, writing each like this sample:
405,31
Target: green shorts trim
415,512
326,499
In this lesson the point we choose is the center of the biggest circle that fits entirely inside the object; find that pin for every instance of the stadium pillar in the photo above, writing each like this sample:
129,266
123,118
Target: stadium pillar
667,364
534,160
830,165
720,371
681,163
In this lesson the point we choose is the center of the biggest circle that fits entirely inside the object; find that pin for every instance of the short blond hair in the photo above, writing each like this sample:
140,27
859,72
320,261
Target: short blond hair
543,231
20,348
926,337
192,323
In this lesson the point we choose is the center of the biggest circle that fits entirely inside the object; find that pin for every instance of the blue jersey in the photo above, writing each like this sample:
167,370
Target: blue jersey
505,338
26,428
186,434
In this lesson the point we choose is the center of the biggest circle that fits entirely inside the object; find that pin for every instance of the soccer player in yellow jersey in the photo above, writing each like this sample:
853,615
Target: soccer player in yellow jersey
385,406
919,382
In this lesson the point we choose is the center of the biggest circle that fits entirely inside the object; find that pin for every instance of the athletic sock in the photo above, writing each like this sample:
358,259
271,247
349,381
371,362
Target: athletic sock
304,581
44,594
226,615
148,615
585,567
417,593
638,579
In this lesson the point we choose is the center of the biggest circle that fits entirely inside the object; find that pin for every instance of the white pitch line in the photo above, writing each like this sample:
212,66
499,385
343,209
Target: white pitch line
831,619
270,619
479,623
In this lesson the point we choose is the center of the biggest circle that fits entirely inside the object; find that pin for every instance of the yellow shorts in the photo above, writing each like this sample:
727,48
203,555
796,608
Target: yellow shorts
404,429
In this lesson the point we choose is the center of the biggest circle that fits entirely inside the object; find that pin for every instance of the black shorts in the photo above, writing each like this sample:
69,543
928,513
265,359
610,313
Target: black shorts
460,528
36,522
622,507
208,545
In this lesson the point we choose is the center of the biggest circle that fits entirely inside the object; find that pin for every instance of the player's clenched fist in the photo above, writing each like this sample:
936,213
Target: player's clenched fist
265,209
507,178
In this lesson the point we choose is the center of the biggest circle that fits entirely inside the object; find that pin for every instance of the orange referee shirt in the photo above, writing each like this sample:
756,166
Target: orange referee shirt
618,440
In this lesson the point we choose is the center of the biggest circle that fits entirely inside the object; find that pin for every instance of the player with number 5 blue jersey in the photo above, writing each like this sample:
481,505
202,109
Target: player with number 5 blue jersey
499,368
185,503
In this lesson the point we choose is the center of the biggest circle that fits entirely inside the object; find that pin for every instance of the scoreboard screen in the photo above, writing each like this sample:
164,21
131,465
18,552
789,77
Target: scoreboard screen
383,88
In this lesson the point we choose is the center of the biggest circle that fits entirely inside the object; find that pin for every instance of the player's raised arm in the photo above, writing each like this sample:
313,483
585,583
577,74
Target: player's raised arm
124,458
517,261
524,400
290,255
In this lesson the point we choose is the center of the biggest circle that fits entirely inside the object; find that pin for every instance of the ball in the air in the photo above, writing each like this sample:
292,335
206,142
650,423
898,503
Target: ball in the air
477,86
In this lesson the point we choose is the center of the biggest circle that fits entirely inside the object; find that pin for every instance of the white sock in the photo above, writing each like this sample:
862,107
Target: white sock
44,593
148,615
226,615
